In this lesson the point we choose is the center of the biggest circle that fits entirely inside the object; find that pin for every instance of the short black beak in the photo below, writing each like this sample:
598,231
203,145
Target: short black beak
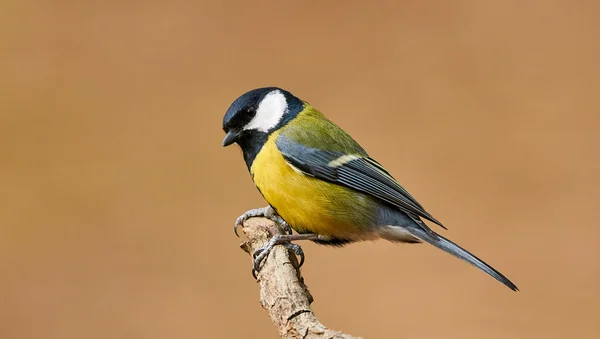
231,137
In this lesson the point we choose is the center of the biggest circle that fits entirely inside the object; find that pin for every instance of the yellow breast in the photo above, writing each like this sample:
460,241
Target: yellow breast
310,205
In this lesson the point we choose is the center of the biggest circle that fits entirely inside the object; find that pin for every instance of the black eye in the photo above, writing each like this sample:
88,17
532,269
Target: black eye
245,115
241,118
250,111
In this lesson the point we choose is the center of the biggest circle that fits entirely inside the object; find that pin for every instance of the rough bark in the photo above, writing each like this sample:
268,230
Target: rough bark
283,293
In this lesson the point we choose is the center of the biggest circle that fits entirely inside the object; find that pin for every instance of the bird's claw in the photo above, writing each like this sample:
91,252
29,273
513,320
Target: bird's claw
238,222
297,251
261,254
266,212
284,225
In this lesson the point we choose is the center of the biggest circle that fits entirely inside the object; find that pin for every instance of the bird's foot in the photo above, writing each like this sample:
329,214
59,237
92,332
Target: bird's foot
266,212
261,254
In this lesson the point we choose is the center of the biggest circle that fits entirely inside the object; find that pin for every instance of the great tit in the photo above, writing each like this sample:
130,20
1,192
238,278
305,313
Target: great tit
321,182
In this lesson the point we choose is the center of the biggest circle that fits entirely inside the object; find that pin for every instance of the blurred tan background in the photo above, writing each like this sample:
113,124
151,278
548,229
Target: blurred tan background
117,200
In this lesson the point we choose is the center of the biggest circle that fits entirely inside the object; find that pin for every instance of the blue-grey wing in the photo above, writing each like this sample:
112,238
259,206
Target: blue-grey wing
358,172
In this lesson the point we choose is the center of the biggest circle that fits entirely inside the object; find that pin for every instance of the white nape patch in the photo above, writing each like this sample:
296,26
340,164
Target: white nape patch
344,159
269,112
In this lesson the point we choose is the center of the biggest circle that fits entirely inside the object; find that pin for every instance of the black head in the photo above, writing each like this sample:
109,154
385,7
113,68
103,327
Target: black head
257,113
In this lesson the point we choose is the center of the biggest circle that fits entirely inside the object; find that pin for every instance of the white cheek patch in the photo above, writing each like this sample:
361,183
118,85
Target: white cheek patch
270,111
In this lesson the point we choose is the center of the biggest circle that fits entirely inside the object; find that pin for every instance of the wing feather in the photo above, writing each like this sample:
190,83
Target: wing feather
358,172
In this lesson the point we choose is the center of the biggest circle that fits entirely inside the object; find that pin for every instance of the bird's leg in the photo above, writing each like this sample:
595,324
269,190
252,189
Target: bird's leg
261,253
266,212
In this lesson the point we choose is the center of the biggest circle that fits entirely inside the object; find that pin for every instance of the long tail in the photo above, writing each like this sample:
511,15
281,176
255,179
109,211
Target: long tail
459,252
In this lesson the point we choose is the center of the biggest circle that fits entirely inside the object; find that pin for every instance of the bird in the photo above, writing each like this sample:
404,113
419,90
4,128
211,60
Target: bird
318,181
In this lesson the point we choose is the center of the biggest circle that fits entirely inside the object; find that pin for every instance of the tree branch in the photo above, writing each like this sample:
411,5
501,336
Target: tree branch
283,293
